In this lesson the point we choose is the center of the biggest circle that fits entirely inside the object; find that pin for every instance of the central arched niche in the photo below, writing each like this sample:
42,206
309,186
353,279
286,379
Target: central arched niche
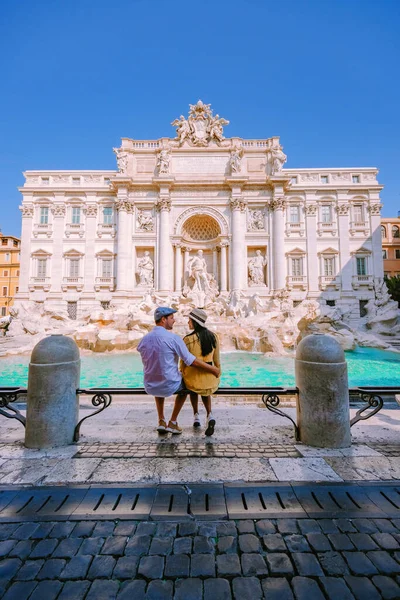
200,228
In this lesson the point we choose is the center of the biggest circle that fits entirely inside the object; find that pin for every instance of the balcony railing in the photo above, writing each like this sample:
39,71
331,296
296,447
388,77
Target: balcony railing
106,229
329,281
42,229
299,281
39,283
104,283
72,282
363,281
295,228
74,228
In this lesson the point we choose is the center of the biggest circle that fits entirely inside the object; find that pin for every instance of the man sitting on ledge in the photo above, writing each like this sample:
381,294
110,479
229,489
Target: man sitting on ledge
160,351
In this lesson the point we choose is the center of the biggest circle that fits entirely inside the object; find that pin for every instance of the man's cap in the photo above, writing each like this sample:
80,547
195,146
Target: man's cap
163,311
198,315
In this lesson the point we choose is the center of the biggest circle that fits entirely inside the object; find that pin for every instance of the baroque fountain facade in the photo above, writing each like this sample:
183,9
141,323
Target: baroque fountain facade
200,219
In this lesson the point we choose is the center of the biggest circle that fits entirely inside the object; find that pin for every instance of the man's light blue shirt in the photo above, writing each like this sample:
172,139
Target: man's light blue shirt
160,351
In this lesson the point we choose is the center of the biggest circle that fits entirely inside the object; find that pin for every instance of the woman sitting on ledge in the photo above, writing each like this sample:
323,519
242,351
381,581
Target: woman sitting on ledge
204,344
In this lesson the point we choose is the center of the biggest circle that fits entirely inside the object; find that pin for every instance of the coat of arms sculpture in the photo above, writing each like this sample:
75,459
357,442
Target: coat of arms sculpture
201,126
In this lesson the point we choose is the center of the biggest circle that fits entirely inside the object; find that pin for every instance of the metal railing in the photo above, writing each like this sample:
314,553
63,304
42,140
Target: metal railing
270,396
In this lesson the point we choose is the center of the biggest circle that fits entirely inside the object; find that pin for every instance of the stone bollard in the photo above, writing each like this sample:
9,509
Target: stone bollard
323,414
52,402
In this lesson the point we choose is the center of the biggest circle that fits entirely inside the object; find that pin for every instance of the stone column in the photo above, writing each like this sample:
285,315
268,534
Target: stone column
164,245
178,267
124,240
278,242
224,282
238,247
89,272
312,258
57,266
374,210
215,263
25,258
345,266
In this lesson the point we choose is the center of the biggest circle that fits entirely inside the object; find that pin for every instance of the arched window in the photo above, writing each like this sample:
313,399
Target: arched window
395,231
383,231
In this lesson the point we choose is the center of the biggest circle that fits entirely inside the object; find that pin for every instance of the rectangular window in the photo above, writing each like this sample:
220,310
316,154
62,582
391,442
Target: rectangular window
106,268
331,302
384,254
326,213
15,243
356,179
72,308
294,214
74,267
107,180
3,311
76,215
4,241
17,273
41,267
358,213
5,273
76,181
107,215
293,179
363,310
17,290
397,253
361,266
329,267
324,179
297,267
44,215
45,180
7,257
4,291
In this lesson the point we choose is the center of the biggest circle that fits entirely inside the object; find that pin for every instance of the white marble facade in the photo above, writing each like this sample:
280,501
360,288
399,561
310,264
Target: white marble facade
197,216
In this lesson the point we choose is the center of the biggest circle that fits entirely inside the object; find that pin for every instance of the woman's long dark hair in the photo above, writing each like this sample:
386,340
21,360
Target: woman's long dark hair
207,338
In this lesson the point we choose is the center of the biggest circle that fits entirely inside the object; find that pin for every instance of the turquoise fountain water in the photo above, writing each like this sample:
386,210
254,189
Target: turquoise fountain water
366,366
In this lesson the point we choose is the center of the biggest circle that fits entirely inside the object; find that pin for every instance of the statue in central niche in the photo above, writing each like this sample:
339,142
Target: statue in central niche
200,286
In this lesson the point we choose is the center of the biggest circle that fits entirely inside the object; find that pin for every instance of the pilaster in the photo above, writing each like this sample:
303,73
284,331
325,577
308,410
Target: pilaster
164,245
238,246
25,259
125,209
277,206
311,212
346,272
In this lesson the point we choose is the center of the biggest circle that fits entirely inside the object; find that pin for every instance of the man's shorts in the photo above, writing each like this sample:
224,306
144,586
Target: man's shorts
182,388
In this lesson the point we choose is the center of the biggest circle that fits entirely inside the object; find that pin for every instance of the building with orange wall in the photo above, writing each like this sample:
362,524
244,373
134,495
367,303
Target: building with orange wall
390,227
9,271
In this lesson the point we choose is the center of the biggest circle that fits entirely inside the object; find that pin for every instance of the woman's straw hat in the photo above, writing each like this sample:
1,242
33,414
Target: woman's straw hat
198,315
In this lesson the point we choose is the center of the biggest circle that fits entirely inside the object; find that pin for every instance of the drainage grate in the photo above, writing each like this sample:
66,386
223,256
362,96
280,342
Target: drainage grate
258,501
336,500
184,502
201,501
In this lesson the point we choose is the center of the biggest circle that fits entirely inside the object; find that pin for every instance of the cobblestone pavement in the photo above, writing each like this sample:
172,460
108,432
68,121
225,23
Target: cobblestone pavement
280,559
201,449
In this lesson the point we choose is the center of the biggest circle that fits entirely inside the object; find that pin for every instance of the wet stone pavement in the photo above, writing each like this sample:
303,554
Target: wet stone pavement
303,559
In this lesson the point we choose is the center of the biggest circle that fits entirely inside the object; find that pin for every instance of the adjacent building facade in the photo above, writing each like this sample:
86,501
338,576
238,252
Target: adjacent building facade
9,271
390,228
200,216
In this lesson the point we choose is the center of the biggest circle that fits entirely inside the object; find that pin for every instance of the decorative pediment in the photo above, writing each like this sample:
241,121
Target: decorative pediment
329,251
41,253
105,254
296,252
362,250
73,253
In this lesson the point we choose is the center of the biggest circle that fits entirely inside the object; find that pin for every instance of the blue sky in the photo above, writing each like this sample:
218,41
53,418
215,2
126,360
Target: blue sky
79,75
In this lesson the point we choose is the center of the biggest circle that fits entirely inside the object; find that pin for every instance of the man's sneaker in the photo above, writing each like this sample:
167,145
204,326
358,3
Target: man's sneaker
173,428
162,426
210,425
196,420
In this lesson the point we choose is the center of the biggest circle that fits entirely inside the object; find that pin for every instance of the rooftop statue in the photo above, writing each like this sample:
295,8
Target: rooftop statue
201,126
